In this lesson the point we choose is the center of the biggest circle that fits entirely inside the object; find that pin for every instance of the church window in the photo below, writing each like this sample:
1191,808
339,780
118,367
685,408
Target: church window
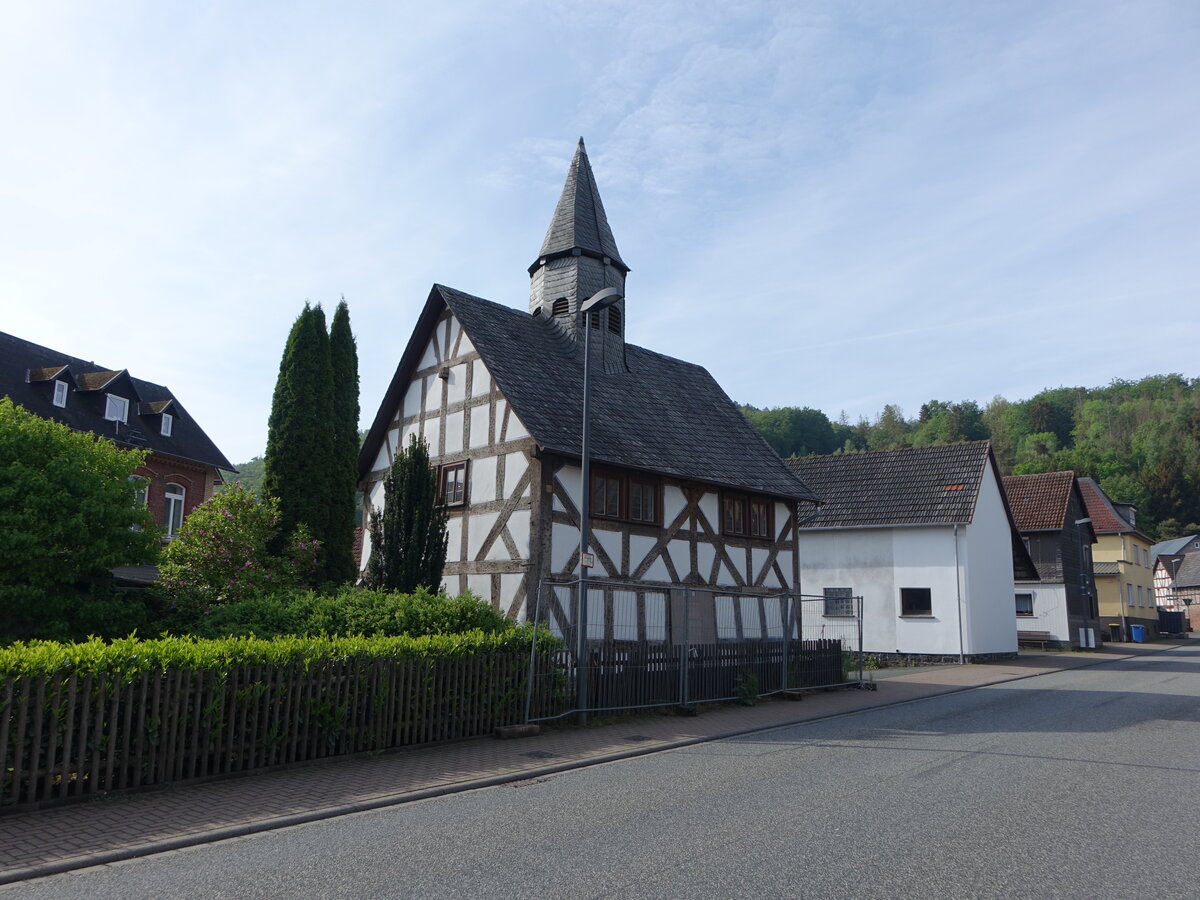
454,483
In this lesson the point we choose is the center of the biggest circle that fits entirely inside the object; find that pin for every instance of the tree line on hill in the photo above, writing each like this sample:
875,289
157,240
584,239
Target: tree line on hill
1140,440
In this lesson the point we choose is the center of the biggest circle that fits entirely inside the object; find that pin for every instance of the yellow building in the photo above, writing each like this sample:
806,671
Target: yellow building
1122,566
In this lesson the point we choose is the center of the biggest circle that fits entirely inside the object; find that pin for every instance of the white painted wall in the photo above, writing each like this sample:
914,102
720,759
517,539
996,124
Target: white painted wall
1049,610
986,553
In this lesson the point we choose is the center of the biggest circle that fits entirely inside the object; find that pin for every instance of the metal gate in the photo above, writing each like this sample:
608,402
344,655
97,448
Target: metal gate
648,645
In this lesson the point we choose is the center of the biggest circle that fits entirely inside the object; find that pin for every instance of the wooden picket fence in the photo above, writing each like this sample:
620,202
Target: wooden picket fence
64,736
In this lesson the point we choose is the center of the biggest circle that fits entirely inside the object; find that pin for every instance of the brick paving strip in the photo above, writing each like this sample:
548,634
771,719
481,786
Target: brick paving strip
41,842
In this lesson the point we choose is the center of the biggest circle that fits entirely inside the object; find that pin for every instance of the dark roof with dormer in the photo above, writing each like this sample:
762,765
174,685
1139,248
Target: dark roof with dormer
1106,517
579,222
663,415
1039,502
27,371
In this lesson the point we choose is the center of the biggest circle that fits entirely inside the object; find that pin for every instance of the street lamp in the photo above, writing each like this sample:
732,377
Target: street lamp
600,300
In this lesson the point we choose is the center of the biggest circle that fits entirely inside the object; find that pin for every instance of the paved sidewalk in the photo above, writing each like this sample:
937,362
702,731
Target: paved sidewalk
42,842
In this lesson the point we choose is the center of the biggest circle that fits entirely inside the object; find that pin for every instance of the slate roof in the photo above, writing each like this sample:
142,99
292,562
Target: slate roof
85,412
663,416
915,486
1105,517
1039,502
1188,575
579,221
1174,546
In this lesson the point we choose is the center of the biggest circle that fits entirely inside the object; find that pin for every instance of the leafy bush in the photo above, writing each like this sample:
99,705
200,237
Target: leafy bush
222,555
68,514
348,612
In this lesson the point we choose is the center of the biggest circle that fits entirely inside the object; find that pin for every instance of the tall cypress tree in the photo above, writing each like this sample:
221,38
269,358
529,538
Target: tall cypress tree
299,433
343,475
408,538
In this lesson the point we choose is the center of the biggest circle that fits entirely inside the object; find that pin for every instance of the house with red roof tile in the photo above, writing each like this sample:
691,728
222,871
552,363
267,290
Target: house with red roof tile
1061,601
1122,566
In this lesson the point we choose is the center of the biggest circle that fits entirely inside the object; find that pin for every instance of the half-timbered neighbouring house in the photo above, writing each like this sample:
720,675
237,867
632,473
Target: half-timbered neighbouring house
925,536
1060,603
684,490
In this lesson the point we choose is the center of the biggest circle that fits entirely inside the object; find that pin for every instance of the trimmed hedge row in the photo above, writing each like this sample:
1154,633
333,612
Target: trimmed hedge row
79,719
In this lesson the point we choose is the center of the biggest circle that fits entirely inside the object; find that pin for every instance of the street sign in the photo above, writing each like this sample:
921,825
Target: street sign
587,560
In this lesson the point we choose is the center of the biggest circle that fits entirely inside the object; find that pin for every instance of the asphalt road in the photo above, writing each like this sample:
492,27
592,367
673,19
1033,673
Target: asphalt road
1078,784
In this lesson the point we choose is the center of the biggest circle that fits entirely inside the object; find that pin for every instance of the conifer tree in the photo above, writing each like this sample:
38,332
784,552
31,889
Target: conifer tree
299,434
339,554
408,538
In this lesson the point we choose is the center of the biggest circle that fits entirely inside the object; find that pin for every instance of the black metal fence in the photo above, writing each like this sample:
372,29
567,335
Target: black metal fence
650,645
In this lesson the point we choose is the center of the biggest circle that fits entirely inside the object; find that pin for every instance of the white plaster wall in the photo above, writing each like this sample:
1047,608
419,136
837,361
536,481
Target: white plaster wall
673,503
680,557
433,393
611,542
639,546
657,571
758,558
432,432
986,553
711,509
510,582
705,554
454,431
454,539
479,426
501,406
516,428
518,527
430,356
412,399
481,379
1049,610
515,465
456,384
480,586
571,477
465,346
924,557
781,517
564,540
482,479
478,530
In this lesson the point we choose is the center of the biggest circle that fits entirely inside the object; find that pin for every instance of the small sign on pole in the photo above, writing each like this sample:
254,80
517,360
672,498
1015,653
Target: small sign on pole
587,560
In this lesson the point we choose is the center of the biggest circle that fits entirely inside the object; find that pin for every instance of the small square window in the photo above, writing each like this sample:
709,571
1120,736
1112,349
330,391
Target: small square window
60,393
116,409
168,421
454,484
1024,604
839,601
916,602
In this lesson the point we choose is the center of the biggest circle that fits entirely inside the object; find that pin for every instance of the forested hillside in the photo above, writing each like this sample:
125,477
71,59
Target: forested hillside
1139,439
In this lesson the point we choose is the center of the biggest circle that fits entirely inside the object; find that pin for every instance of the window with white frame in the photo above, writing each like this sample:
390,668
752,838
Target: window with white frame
168,421
173,508
1024,604
60,393
1129,595
116,409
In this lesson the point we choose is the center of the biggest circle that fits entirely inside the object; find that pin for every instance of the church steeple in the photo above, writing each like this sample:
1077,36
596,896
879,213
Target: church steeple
578,258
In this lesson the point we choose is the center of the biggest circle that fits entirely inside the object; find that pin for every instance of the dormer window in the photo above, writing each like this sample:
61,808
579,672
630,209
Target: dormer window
116,409
167,421
60,393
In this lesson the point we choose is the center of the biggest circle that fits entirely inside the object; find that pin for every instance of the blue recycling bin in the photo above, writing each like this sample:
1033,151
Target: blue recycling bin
1138,633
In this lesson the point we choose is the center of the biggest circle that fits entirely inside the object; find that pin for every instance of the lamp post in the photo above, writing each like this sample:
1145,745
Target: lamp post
598,301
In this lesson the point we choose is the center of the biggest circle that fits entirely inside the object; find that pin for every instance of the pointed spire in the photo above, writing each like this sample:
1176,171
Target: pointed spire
579,221
578,258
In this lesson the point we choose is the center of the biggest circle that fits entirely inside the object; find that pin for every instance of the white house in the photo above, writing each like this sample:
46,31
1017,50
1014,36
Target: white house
925,536
684,490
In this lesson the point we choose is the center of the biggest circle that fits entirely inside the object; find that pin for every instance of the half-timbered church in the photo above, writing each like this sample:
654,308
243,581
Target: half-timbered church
684,490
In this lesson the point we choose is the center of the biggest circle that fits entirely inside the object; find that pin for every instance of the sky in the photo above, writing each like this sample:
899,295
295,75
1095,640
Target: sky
837,205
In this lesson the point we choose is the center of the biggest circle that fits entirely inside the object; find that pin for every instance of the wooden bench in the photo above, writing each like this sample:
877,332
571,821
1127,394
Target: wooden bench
1036,637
